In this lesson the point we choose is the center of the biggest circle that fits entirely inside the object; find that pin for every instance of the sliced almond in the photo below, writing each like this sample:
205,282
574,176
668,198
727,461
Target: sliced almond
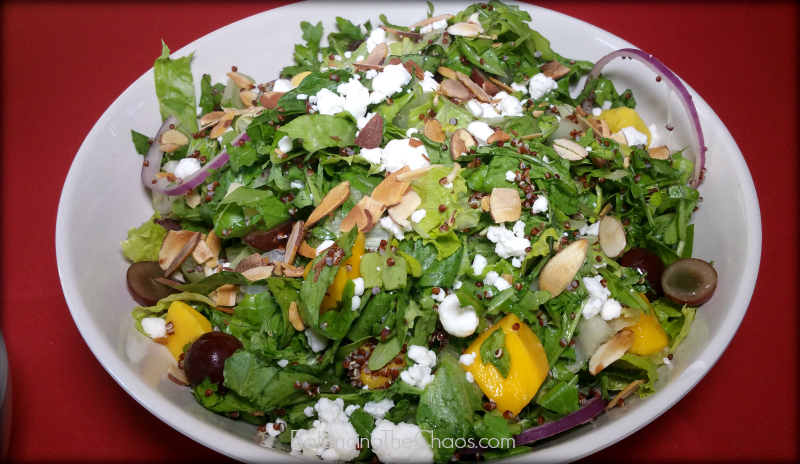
482,79
292,271
372,133
215,245
619,137
250,262
505,205
473,87
306,250
448,73
169,147
626,162
374,208
240,80
332,200
414,143
248,97
611,350
569,150
366,67
561,269
202,252
174,136
270,99
193,198
451,176
294,317
416,173
177,376
486,205
251,110
460,143
508,278
391,190
602,127
554,70
453,89
415,36
430,20
537,113
357,217
294,241
433,130
401,212
378,54
223,124
211,118
465,29
626,392
502,86
413,68
659,153
258,273
611,236
498,136
177,245
225,295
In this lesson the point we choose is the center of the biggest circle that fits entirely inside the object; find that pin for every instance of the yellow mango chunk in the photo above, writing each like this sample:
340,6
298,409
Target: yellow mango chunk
528,366
334,294
188,325
618,118
649,336
299,78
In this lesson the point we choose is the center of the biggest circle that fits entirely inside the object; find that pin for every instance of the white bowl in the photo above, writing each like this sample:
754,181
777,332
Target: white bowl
103,197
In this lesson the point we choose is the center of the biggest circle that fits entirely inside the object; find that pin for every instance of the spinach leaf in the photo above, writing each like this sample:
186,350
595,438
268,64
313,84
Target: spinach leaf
496,343
216,402
434,273
269,207
141,142
494,425
318,131
562,399
265,386
175,88
380,305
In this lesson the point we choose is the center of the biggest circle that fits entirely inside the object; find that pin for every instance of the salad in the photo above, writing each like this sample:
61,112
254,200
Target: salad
422,243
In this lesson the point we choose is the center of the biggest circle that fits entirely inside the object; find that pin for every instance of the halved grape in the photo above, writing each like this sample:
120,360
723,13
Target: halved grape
206,357
645,261
144,289
268,240
689,281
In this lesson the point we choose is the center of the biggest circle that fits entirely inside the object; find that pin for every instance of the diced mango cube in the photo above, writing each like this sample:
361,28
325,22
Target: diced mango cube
649,336
618,118
188,325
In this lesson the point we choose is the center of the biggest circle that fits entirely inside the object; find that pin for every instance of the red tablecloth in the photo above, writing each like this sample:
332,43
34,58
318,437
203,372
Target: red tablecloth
65,63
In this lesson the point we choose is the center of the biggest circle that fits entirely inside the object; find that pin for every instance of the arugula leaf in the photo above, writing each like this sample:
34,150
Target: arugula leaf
217,402
435,273
144,242
269,207
175,88
265,386
318,130
494,342
210,95
378,307
349,29
561,399
141,142
494,425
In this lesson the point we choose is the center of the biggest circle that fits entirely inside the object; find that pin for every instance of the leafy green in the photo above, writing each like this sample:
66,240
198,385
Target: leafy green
494,344
318,131
265,386
141,142
144,242
175,88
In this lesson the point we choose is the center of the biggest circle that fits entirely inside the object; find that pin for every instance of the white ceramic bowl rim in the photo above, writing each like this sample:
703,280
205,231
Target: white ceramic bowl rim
232,445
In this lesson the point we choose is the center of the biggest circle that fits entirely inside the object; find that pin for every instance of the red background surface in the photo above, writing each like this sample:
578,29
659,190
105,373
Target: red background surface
65,63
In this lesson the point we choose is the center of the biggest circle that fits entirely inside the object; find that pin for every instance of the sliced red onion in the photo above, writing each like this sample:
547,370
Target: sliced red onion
582,416
680,90
152,165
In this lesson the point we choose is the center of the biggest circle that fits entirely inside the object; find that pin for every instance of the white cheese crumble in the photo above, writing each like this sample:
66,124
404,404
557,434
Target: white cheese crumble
480,130
418,216
371,73
540,85
441,24
297,184
315,341
438,296
587,229
394,228
508,243
301,96
478,264
362,121
522,87
329,103
376,37
282,85
348,55
356,97
359,283
516,262
600,301
489,111
428,83
400,444
356,303
634,136
392,80
411,130
470,377
419,375
373,155
510,176
351,409
332,437
457,321
545,159
283,362
378,410
399,153
510,106
155,327
186,167
309,411
285,144
457,284
596,112
468,359
475,108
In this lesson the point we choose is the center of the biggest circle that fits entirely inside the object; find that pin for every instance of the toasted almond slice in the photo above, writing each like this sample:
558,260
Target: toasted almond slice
258,273
416,173
251,110
294,242
460,143
174,136
365,66
537,113
374,208
169,147
292,271
177,376
294,317
448,73
453,89
332,200
278,271
486,203
372,133
611,236
611,350
226,295
270,99
626,162
433,130
306,250
413,68
202,252
473,87
390,191
569,150
498,136
193,198
430,20
630,388
215,245
400,212
357,217
414,143
240,80
250,262
502,86
508,278
505,205
659,153
377,55
554,70
211,118
223,124
248,97
177,245
465,29
451,176
415,36
561,269
602,127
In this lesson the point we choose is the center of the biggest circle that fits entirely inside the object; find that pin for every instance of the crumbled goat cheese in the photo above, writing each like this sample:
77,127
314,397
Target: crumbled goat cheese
272,431
348,55
315,341
410,131
418,215
438,296
457,321
540,85
392,80
392,227
332,437
356,97
359,286
297,184
282,85
507,242
376,37
371,73
539,205
309,411
187,167
373,155
470,377
283,362
475,108
468,359
510,106
593,229
523,87
400,444
419,375
329,103
285,144
356,303
545,159
399,153
489,111
378,410
634,136
478,264
457,284
362,121
480,130
510,176
596,112
155,327
351,409
600,301
301,96
376,97
441,24
429,84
